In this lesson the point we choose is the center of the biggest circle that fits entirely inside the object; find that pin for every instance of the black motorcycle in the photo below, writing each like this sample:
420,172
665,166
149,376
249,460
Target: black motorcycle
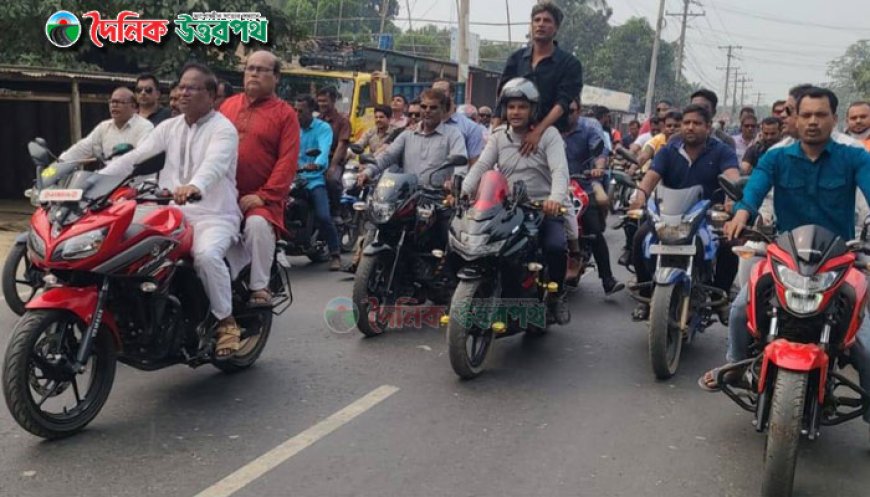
405,261
503,285
303,233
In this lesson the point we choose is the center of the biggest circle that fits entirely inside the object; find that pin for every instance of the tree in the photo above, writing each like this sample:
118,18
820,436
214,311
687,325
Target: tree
584,28
850,73
360,20
25,41
428,41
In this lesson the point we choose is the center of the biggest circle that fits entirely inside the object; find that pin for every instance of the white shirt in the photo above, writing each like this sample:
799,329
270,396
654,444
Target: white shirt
203,154
104,137
642,139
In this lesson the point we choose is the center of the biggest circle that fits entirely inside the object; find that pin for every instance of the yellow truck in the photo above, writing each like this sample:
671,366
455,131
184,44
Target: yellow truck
360,92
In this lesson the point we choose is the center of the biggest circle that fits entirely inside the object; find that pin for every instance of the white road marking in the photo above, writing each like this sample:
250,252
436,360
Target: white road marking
268,461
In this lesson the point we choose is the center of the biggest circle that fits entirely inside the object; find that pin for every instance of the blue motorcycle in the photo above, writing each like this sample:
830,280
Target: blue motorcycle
682,248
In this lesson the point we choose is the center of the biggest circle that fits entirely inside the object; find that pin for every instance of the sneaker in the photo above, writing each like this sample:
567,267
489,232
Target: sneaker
573,272
335,263
557,311
611,286
722,312
625,258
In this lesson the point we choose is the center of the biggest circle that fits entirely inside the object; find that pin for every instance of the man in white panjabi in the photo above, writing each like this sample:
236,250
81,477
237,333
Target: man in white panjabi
125,126
201,147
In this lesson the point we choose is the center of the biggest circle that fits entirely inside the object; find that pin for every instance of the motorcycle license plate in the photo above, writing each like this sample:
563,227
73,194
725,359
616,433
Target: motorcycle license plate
60,195
672,249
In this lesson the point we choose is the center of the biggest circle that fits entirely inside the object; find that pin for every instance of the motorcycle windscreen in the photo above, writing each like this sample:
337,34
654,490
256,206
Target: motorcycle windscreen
811,246
491,194
677,202
394,186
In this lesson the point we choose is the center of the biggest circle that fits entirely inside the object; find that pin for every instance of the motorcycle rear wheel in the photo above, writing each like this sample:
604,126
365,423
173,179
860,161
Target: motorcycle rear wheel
783,433
467,359
27,371
251,347
665,337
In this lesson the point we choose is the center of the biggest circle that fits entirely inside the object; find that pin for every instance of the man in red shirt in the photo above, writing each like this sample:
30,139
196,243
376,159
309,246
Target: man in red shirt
268,150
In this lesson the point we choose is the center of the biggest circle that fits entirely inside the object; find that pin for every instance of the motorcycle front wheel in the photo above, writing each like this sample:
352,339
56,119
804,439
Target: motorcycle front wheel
783,433
467,343
43,394
370,290
665,337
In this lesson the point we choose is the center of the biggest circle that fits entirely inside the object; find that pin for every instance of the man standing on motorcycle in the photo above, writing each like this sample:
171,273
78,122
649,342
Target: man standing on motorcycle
693,158
268,147
202,149
544,172
580,142
317,134
815,180
125,126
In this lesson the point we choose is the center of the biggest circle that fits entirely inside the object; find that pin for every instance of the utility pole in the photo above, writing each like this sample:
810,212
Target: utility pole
727,68
383,20
654,60
743,82
316,14
411,29
758,99
340,12
507,9
682,50
734,98
462,41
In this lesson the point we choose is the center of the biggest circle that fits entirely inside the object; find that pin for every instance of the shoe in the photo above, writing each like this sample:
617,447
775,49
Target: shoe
557,311
573,272
349,268
611,286
335,263
640,313
722,312
625,258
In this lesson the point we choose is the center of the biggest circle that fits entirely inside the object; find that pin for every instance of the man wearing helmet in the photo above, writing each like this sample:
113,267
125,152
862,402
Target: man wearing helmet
556,74
544,172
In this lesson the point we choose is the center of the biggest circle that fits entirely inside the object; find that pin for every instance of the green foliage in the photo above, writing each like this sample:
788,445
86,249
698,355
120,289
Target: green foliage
25,41
850,73
361,19
428,41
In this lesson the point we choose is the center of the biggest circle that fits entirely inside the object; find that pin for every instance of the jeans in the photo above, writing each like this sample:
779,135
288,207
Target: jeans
555,248
739,341
320,201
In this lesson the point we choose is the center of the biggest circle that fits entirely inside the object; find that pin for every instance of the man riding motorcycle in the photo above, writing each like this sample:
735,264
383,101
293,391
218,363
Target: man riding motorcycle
544,172
201,149
814,180
694,158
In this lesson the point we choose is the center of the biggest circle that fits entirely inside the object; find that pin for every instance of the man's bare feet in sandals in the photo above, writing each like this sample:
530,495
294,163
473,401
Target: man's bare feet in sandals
228,338
260,298
708,381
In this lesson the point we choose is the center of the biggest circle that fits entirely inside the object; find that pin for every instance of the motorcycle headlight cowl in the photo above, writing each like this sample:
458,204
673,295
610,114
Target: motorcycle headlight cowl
475,245
36,244
81,246
803,294
381,212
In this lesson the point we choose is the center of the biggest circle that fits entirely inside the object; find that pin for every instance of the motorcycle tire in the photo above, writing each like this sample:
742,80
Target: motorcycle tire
251,347
318,253
19,376
665,337
11,281
783,433
370,266
467,362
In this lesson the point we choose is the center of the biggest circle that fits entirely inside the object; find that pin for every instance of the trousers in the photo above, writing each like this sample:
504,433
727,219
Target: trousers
212,237
260,242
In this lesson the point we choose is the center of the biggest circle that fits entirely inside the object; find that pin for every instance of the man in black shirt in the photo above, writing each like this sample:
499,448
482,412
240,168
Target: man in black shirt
771,133
556,73
148,98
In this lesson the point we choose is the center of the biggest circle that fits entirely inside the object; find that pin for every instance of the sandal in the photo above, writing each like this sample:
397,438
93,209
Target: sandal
708,383
640,313
229,337
260,298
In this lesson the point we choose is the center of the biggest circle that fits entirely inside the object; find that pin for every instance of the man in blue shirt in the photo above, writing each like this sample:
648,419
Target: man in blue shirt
317,134
695,158
581,140
472,134
814,181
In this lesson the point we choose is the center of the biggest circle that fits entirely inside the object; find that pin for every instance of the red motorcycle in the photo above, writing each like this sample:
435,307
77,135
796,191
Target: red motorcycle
806,303
119,286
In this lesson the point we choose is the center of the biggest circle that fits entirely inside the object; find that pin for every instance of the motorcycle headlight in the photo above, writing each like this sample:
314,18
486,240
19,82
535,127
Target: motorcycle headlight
803,294
475,245
348,180
673,232
36,244
84,245
381,212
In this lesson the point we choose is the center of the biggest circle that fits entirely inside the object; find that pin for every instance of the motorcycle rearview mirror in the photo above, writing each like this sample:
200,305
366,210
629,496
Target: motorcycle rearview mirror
150,166
119,150
598,149
456,188
627,155
312,152
356,148
39,153
733,189
458,160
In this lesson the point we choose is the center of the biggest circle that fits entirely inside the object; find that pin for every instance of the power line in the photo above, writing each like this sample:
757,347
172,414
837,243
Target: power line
778,19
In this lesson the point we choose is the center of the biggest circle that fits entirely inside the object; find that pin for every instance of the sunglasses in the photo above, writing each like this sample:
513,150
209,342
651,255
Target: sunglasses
413,114
149,90
429,107
485,115
663,109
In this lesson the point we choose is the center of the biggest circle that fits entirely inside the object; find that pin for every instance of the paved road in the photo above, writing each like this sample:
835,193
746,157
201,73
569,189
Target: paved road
576,413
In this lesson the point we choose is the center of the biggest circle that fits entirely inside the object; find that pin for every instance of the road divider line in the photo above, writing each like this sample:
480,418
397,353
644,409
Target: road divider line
268,461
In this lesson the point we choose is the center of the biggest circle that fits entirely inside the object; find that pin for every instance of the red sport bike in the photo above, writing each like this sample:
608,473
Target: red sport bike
806,303
119,286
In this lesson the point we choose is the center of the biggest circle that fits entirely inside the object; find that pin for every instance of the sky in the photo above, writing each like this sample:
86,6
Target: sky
785,42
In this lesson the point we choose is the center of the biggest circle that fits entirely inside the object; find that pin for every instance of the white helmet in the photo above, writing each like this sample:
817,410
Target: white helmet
519,88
